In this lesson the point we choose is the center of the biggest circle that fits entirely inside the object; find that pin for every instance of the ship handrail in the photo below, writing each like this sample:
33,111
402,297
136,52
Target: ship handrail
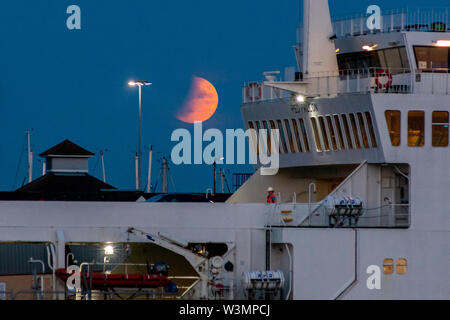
434,81
396,20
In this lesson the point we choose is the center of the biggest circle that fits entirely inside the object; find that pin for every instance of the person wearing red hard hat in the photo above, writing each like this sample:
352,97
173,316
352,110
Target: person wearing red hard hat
271,196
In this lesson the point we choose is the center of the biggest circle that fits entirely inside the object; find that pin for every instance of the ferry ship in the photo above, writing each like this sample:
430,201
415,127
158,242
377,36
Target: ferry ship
362,186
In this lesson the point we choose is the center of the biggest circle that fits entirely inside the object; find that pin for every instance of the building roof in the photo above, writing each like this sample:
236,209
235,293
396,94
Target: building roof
67,148
66,183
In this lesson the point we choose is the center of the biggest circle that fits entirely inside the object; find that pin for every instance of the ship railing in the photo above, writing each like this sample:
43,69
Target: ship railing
387,216
367,80
434,81
316,215
326,84
397,20
131,294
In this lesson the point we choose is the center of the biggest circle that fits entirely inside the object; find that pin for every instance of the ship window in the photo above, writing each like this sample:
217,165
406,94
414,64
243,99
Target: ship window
440,128
324,134
393,120
289,133
269,142
297,136
355,130
373,138
432,58
388,266
396,59
362,127
333,135
339,131
402,266
284,149
254,138
274,127
347,131
416,128
305,135
261,146
316,134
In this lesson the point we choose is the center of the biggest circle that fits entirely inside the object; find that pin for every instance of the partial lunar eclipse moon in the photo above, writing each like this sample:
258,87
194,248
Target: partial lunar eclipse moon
201,102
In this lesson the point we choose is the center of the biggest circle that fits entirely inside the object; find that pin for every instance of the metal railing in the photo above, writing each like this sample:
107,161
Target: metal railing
316,215
418,20
370,80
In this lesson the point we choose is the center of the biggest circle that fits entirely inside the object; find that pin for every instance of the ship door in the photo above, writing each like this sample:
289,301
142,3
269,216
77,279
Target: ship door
401,200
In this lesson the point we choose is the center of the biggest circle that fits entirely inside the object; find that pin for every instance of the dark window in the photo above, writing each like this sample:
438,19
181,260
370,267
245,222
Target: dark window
432,58
440,128
347,131
252,127
395,59
289,133
259,142
316,134
355,130
324,134
339,130
416,128
362,127
269,144
297,136
393,121
373,138
283,137
305,135
333,135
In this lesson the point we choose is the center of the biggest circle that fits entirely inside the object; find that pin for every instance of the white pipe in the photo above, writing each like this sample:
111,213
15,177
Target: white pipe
67,258
149,178
103,167
52,266
136,165
311,185
43,272
165,188
222,180
30,158
44,168
30,167
291,271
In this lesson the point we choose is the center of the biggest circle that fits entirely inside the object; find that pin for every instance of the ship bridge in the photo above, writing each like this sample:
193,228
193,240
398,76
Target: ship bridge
365,116
385,94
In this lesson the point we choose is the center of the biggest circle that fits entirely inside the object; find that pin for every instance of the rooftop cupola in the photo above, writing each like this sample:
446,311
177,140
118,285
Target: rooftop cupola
67,157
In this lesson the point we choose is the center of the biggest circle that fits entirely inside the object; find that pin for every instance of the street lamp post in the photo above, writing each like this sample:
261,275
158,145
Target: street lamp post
140,84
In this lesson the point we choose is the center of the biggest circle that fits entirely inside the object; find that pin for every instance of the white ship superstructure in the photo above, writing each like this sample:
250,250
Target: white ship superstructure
364,126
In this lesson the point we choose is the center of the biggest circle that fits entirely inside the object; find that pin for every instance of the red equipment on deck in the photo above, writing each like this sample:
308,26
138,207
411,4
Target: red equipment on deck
102,280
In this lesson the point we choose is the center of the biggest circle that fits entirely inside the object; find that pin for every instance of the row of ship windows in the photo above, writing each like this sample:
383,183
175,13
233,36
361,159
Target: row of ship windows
298,127
416,128
331,132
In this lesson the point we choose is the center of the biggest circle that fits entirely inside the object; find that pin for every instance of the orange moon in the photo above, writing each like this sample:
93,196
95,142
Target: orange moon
201,103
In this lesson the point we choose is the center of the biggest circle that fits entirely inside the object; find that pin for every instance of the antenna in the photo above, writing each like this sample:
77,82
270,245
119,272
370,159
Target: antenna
149,178
103,166
30,158
164,175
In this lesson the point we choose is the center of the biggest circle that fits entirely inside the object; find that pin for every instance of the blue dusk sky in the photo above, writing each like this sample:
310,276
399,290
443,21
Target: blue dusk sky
67,84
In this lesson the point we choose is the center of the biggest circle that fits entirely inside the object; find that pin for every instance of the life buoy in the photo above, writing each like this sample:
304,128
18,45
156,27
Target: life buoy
249,90
383,74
